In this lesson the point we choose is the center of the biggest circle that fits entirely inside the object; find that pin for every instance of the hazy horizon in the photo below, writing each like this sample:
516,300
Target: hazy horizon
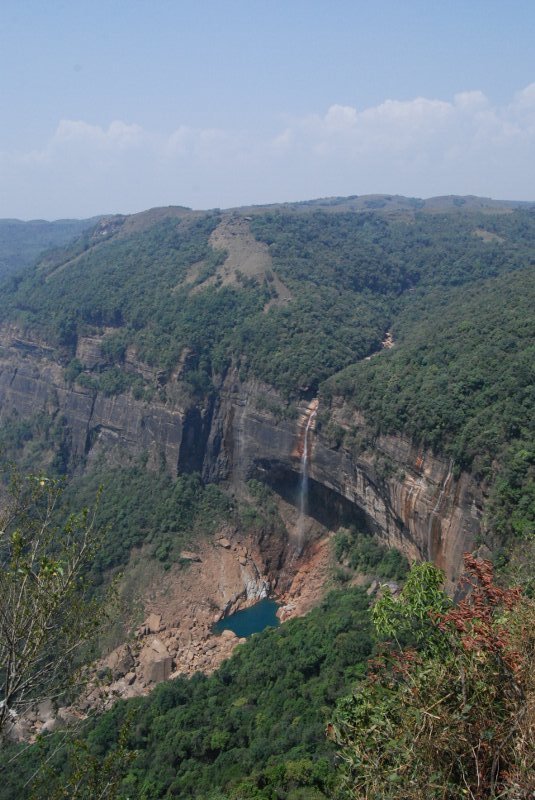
116,108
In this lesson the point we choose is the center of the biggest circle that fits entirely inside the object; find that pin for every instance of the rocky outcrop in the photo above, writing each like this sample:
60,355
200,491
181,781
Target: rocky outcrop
120,662
177,637
155,661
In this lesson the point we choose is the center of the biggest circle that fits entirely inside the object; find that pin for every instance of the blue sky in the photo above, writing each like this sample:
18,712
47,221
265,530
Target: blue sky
118,106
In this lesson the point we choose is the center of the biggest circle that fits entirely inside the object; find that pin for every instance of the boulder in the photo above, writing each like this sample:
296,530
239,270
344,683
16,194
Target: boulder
45,711
67,717
154,623
187,555
158,646
50,725
160,669
18,731
224,543
155,662
130,691
120,661
91,700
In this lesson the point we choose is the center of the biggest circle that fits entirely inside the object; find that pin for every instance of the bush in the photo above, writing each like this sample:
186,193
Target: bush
457,718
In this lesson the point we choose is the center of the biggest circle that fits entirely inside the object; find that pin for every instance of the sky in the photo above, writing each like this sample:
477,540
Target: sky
114,106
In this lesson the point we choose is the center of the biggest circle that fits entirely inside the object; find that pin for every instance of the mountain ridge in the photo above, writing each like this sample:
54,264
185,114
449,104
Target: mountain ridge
453,201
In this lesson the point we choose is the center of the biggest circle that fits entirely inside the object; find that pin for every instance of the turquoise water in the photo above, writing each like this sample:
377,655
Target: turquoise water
251,620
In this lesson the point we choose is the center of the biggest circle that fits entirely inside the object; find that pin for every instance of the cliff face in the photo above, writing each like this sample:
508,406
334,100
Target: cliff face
32,382
409,497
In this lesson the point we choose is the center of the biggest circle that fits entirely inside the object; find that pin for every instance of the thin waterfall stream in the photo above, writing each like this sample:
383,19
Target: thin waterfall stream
436,509
303,480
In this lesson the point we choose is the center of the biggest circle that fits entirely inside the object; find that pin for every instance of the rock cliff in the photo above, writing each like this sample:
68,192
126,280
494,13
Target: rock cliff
410,498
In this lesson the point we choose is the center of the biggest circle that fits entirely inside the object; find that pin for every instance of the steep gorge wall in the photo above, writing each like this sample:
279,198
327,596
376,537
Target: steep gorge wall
409,497
32,382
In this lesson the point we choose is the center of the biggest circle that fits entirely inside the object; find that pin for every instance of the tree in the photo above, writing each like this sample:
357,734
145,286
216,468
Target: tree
411,614
45,614
454,720
84,775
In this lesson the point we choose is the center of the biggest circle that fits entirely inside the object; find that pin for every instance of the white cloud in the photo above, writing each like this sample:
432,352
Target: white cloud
340,118
419,147
117,135
525,99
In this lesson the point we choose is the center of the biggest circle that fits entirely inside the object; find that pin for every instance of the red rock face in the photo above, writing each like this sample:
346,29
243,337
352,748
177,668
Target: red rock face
409,497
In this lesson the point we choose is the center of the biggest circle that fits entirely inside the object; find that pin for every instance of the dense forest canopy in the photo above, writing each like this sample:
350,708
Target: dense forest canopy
255,727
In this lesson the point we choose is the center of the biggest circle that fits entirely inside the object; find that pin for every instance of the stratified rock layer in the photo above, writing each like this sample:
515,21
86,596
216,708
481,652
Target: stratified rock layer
409,497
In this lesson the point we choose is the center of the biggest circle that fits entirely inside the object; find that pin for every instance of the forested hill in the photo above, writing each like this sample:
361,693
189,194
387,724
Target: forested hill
299,295
256,726
332,286
21,243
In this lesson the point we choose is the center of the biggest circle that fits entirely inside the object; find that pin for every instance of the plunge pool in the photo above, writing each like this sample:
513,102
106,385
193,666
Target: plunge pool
251,620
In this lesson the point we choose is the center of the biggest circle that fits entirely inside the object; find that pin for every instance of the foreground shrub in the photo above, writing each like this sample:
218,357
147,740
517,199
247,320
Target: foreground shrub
454,719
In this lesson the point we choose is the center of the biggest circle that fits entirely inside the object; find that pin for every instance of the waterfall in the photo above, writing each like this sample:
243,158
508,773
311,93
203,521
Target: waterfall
436,509
303,479
238,467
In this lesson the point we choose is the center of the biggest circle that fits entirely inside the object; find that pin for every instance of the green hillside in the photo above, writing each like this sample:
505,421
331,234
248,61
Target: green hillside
21,243
461,380
456,289
350,275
